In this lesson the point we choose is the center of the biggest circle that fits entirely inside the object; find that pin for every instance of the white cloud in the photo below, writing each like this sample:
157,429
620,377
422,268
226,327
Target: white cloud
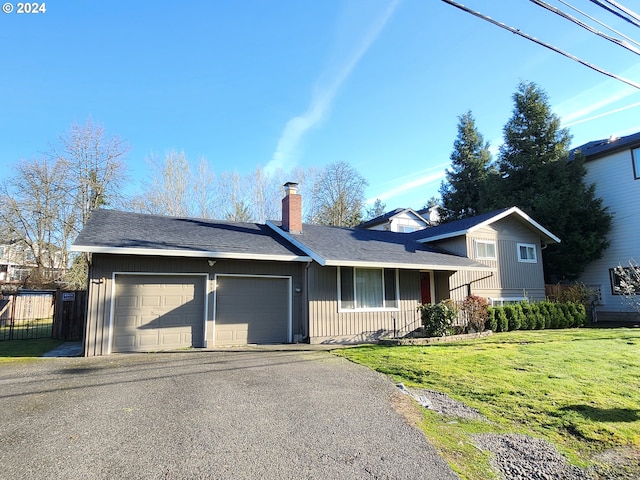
410,182
323,97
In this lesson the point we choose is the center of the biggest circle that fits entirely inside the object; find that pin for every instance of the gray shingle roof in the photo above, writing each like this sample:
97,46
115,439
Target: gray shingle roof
598,148
112,231
362,247
462,225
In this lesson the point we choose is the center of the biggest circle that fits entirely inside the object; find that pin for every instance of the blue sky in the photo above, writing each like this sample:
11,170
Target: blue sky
280,83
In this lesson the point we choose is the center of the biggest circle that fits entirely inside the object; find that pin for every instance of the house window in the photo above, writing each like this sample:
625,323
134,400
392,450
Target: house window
527,253
367,288
406,228
501,302
485,250
616,281
635,156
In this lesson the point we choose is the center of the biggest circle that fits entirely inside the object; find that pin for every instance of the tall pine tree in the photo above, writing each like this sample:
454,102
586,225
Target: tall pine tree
463,193
536,175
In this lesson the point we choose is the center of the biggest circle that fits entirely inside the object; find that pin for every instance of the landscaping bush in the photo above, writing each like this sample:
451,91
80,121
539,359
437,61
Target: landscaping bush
540,315
492,321
475,312
503,320
437,319
514,317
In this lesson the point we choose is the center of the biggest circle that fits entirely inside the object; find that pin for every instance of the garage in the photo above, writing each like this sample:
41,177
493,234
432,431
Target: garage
252,309
158,312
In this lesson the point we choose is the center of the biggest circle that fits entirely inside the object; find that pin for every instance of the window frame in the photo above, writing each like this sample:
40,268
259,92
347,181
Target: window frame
502,301
476,242
354,293
527,245
614,281
635,162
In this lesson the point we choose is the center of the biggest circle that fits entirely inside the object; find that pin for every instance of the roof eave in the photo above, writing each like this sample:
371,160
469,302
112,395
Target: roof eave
407,266
188,253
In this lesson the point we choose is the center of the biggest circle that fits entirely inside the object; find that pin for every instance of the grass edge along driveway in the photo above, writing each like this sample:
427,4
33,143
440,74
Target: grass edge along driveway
578,388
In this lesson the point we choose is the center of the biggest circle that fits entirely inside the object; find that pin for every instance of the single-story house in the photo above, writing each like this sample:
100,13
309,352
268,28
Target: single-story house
158,282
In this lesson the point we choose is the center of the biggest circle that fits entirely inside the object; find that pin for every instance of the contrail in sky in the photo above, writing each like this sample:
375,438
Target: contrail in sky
423,178
322,99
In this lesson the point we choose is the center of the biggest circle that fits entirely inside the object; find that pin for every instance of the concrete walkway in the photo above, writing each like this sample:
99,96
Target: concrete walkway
67,349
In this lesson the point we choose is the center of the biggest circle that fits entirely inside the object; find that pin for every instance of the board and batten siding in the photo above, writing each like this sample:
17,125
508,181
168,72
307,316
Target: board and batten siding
511,278
101,286
328,325
616,185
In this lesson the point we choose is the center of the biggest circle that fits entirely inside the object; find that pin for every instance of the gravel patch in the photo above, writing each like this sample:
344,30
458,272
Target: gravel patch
442,403
520,457
516,457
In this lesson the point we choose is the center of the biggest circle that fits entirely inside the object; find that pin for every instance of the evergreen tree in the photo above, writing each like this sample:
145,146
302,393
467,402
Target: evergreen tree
536,175
463,193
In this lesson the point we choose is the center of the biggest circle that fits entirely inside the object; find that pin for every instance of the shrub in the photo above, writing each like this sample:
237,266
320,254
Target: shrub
437,319
474,309
528,321
502,320
492,321
514,316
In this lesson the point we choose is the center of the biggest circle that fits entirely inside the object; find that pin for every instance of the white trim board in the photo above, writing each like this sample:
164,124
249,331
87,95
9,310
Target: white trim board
204,254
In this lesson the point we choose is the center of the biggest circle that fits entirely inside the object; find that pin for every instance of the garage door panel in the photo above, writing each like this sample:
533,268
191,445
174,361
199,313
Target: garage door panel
158,312
252,310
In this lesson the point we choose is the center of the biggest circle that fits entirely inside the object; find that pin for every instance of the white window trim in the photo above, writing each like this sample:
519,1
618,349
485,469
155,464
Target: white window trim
500,301
488,242
369,309
528,260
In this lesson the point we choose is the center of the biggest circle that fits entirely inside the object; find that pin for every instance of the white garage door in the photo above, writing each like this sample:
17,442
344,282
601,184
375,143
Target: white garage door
158,312
252,310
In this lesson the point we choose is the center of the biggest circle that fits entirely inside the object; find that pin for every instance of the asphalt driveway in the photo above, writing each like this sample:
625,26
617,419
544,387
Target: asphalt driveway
240,415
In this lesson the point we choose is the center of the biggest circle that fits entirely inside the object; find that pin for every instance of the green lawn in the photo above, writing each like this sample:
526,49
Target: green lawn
578,388
19,350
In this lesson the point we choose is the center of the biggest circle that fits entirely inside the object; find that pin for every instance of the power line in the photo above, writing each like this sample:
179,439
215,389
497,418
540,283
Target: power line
626,10
540,42
611,29
557,11
617,14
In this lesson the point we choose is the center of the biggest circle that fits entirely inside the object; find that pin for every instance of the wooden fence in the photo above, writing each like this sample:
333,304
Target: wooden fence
26,314
31,314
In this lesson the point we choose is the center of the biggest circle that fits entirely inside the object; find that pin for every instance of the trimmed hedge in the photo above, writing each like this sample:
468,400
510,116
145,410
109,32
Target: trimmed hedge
539,315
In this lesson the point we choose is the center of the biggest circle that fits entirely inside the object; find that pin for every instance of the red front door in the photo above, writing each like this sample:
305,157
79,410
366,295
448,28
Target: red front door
425,287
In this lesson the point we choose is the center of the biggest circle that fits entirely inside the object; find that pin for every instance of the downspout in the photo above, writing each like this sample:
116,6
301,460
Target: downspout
305,306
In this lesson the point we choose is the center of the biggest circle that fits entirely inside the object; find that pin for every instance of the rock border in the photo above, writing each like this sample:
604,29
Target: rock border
433,340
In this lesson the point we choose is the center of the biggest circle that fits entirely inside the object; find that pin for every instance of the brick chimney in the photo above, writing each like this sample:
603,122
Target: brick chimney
292,208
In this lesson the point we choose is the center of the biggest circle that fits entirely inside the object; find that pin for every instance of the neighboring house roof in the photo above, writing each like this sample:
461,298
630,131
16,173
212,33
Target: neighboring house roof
607,146
359,247
385,217
468,225
112,231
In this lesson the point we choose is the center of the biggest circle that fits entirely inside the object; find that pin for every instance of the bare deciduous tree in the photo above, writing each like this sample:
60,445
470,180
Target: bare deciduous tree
97,162
338,196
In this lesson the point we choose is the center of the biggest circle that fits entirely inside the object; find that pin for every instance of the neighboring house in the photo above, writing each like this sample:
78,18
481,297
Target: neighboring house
158,282
403,220
613,166
16,262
